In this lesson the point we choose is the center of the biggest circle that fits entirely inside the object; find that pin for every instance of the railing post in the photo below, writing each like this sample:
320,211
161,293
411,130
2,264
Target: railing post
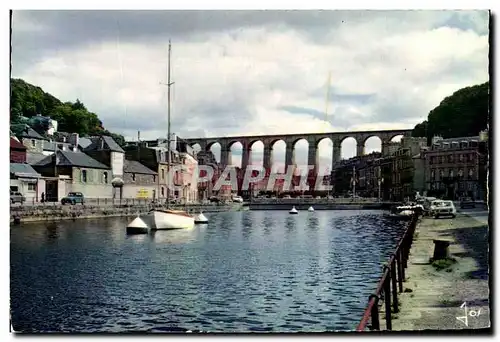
374,313
401,271
387,297
394,287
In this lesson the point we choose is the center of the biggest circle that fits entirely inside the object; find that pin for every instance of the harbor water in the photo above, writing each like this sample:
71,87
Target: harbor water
250,271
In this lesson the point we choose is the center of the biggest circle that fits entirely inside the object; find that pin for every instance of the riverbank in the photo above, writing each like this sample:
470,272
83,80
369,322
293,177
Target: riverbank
73,212
434,294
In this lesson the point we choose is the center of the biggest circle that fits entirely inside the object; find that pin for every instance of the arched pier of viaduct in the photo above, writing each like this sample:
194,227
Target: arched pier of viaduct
313,140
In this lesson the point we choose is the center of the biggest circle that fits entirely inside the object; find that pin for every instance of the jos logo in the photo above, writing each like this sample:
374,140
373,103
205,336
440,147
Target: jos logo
468,313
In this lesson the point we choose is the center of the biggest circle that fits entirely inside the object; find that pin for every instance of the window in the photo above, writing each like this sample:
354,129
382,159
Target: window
162,191
154,178
451,173
31,187
162,174
460,173
105,177
33,142
471,173
433,175
450,158
461,157
84,176
133,177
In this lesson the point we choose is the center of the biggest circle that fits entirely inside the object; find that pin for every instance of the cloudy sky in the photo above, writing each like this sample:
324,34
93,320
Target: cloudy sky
253,72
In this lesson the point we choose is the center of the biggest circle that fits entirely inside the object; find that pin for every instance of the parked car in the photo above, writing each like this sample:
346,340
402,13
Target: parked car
467,202
17,197
214,199
433,206
238,199
73,198
446,208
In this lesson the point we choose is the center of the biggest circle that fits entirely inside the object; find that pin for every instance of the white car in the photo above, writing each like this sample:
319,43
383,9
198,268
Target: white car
445,208
238,199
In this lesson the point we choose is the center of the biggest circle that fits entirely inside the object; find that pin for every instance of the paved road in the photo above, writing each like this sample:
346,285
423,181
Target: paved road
479,214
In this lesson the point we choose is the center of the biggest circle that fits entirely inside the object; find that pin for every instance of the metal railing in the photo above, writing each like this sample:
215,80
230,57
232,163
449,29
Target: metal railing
390,284
116,202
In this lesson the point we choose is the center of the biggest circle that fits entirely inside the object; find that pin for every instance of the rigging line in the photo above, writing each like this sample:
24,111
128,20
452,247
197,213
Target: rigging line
120,64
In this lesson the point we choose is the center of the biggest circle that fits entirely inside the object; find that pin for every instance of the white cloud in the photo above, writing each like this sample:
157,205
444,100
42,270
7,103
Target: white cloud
240,81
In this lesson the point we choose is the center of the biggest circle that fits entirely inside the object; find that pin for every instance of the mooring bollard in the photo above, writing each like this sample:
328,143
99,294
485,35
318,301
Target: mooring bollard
440,249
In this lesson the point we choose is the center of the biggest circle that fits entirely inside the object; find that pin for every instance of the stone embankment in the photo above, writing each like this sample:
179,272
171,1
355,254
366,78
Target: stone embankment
20,214
451,293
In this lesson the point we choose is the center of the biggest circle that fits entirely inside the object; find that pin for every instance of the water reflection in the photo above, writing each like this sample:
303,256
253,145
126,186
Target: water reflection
52,232
312,222
174,236
290,224
246,224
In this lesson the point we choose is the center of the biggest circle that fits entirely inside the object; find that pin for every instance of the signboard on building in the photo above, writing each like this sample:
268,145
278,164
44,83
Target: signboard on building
142,193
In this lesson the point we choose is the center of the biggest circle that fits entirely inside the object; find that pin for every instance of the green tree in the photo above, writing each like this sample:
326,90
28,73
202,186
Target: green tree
28,100
464,113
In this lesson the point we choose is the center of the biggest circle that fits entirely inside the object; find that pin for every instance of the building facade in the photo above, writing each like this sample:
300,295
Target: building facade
456,168
140,182
74,172
17,151
24,179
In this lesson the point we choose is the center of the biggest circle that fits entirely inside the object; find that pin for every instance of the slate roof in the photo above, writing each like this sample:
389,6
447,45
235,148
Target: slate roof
16,144
51,145
33,157
133,166
69,158
84,142
30,133
23,170
109,144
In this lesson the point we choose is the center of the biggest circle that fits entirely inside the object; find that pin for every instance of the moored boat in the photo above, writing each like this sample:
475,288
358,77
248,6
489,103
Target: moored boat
200,218
293,211
158,219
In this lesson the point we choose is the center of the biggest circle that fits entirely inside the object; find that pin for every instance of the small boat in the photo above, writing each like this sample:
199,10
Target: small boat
200,218
310,209
159,219
293,211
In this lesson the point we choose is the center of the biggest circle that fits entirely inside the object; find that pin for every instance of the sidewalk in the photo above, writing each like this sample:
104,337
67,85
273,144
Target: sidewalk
436,296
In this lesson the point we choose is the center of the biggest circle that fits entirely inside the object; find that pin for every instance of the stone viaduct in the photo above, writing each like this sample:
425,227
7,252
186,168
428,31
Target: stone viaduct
290,140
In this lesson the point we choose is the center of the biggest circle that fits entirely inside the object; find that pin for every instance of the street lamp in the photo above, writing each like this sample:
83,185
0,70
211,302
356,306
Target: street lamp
380,181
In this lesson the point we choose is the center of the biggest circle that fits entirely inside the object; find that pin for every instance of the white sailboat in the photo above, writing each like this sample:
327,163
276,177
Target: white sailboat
158,219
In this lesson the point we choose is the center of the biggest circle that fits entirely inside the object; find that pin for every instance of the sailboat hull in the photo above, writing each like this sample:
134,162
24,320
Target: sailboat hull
169,219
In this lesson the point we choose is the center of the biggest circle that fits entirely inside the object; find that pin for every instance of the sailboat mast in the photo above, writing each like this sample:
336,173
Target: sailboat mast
168,128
